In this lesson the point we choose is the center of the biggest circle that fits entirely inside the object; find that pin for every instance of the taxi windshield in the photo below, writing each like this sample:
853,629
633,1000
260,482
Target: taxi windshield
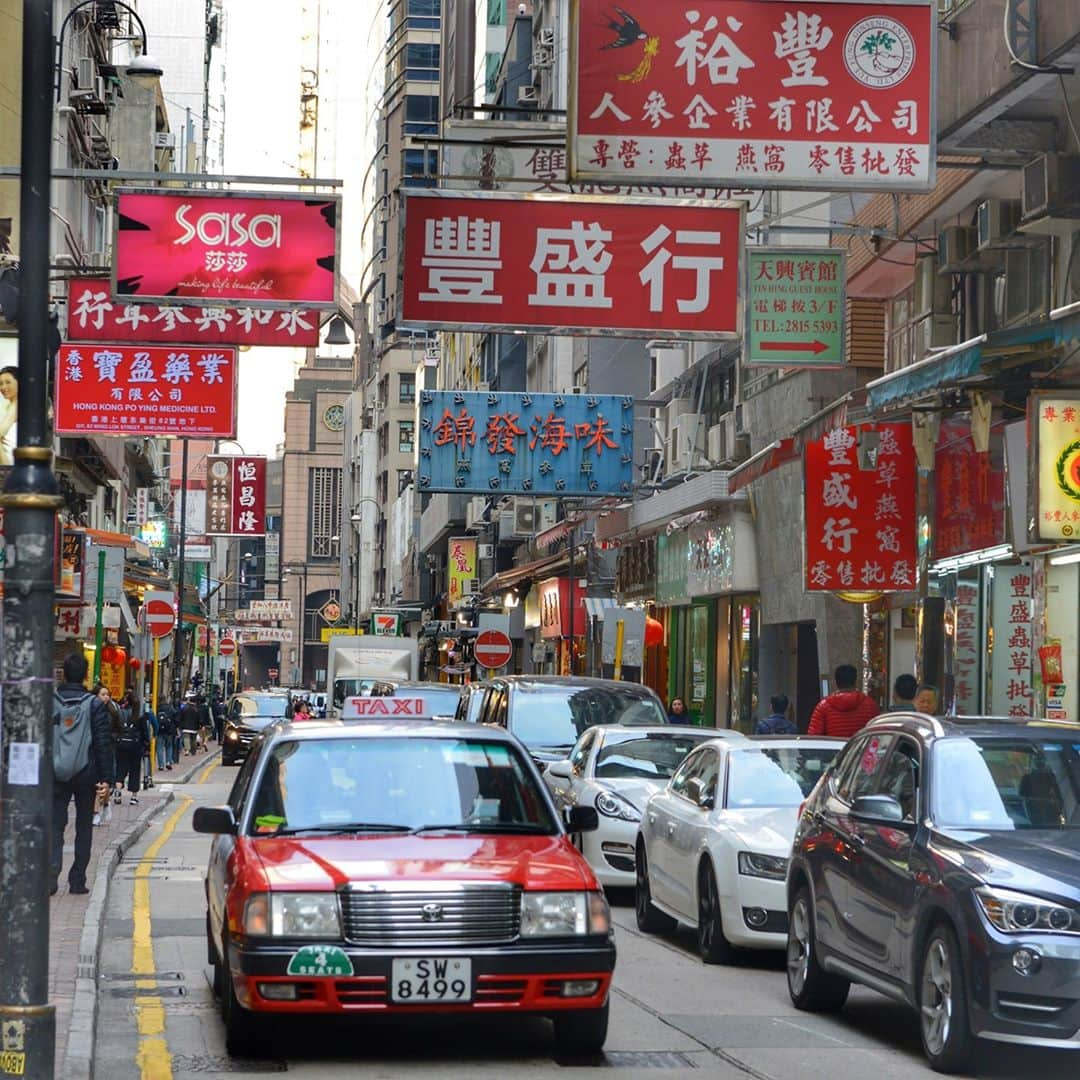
397,784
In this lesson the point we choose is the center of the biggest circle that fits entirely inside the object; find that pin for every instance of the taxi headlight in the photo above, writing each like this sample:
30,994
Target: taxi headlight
305,915
564,914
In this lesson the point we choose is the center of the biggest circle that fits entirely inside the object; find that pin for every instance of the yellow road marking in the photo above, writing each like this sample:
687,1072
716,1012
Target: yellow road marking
153,1057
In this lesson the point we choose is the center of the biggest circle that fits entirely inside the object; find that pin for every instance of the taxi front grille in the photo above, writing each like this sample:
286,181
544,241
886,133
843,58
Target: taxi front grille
453,914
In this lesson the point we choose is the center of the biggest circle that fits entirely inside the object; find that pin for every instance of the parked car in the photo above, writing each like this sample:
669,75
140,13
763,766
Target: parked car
245,716
712,848
939,863
616,769
548,713
408,868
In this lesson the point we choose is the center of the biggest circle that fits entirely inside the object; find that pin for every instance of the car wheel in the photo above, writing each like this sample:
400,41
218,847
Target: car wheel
713,947
212,959
810,986
245,1033
649,919
943,1012
582,1032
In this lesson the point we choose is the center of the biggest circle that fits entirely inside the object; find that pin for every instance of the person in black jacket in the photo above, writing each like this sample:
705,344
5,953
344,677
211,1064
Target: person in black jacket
189,725
132,741
94,779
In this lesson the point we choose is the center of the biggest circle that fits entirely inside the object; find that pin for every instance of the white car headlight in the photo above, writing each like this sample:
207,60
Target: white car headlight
754,864
564,914
615,806
304,915
1017,913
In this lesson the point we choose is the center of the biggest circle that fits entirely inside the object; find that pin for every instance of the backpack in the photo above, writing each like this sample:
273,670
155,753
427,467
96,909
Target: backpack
129,737
166,722
72,735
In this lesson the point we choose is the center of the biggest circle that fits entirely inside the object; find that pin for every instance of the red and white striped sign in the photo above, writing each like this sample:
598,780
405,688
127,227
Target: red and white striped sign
159,613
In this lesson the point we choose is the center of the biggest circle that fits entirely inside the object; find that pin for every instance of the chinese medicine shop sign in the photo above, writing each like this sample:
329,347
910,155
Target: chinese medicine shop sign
526,444
754,93
795,307
236,496
572,264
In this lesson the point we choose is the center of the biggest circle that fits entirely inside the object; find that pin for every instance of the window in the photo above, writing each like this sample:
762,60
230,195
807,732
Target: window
901,777
865,767
404,479
421,60
430,8
496,12
324,512
407,389
405,436
421,108
492,63
421,169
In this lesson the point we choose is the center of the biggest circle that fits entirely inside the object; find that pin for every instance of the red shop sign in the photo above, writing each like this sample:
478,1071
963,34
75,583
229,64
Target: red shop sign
93,316
131,390
750,93
969,492
578,264
235,496
861,523
252,248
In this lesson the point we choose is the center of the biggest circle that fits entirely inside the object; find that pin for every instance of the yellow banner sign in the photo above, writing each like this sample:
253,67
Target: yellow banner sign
1059,468
327,632
461,569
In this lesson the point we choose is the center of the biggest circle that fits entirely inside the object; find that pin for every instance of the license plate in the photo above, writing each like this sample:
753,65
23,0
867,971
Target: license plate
430,980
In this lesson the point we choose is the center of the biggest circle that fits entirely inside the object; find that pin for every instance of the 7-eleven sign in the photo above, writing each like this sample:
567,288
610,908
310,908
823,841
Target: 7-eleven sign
386,624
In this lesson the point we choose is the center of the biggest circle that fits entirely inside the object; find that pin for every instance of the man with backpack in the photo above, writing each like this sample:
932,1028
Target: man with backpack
132,741
166,736
82,768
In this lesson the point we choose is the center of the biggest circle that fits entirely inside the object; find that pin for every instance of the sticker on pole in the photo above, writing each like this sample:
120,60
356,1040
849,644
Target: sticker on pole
320,960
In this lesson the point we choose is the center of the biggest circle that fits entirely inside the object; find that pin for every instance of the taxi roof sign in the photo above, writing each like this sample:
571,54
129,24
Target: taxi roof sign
362,708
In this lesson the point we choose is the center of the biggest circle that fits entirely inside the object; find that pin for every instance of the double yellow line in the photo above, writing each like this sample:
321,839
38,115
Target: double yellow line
153,1057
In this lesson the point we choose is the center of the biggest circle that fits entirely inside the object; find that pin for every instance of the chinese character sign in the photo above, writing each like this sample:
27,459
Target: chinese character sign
1013,692
738,92
795,307
245,248
460,568
969,492
571,263
1057,427
860,522
133,390
526,444
235,496
93,316
969,648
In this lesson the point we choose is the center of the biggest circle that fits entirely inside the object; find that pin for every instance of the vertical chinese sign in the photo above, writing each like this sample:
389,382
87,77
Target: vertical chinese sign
1056,424
969,649
526,444
736,93
236,496
460,568
861,522
1013,691
969,492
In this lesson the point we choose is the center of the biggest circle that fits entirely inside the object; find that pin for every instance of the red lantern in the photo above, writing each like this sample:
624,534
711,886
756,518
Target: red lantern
119,656
134,663
108,654
654,632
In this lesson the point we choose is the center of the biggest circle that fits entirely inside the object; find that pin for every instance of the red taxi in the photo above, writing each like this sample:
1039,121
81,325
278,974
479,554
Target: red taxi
401,867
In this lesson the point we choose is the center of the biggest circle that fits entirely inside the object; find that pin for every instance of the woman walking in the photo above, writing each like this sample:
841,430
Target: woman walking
103,806
131,745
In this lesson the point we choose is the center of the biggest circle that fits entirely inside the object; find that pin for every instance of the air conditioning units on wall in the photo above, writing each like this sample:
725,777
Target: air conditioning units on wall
474,513
528,95
485,551
997,224
1051,187
956,246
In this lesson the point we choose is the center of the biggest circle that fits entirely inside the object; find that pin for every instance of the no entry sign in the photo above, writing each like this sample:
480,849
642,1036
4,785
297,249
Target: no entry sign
158,614
493,649
226,646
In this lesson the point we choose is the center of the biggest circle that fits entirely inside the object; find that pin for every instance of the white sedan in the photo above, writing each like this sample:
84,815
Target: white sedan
712,849
616,769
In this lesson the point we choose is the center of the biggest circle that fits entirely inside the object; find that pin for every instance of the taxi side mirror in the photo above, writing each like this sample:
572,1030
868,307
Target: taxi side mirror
214,819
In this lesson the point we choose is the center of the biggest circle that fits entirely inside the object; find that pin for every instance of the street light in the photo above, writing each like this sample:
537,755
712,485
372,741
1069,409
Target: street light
293,570
355,519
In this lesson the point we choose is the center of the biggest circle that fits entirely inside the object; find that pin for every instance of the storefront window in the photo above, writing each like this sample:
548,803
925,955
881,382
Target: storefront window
698,648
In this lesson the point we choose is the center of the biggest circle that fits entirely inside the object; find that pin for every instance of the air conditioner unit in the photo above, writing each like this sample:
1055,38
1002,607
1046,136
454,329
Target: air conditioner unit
547,511
1052,186
506,525
716,442
164,140
485,551
956,246
474,513
652,463
542,59
87,72
528,95
933,293
933,332
684,443
526,518
997,222
546,37
470,586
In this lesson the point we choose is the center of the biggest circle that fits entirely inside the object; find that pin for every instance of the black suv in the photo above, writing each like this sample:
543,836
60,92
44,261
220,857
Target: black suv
938,862
245,716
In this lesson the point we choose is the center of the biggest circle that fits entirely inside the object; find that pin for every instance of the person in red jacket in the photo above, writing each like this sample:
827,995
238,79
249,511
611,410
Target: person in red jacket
845,710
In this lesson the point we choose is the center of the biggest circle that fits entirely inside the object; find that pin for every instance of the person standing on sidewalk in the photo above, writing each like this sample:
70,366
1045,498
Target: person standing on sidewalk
83,768
189,725
166,740
131,744
846,710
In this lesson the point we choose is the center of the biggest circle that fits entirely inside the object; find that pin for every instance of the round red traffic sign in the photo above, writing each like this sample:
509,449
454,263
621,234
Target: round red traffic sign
493,649
159,618
226,646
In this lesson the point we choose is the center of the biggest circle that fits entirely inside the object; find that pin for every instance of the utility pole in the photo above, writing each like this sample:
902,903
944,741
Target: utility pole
30,500
178,644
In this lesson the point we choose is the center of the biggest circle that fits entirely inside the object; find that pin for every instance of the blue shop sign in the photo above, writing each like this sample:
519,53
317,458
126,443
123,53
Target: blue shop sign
526,444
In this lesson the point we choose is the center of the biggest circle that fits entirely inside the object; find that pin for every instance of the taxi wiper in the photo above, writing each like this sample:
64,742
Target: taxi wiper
342,827
484,827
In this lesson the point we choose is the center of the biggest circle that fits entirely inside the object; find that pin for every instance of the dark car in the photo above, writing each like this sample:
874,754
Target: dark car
548,713
246,715
409,868
938,862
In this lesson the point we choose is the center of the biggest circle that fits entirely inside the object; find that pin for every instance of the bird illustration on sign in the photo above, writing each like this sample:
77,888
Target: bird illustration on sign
628,31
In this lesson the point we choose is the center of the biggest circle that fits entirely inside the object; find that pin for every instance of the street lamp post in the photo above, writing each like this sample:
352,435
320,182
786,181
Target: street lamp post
300,570
356,519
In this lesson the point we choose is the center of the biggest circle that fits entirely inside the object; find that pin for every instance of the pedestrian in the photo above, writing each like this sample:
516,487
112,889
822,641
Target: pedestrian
189,725
903,694
205,722
777,722
82,769
301,710
677,712
846,710
218,711
166,740
131,744
926,699
103,814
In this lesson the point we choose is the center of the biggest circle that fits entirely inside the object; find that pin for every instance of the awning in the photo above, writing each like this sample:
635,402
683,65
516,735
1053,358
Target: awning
546,567
595,605
764,461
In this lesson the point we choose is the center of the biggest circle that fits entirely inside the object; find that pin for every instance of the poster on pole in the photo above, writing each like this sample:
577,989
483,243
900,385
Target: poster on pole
833,94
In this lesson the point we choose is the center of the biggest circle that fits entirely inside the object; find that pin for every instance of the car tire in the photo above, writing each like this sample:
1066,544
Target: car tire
649,919
213,960
581,1033
943,1007
245,1033
810,986
713,946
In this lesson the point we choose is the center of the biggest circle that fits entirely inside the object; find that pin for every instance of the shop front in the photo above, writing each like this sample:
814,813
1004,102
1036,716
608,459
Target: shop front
635,583
566,645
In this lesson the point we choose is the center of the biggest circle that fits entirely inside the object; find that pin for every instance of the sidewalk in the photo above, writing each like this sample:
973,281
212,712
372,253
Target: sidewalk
75,921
